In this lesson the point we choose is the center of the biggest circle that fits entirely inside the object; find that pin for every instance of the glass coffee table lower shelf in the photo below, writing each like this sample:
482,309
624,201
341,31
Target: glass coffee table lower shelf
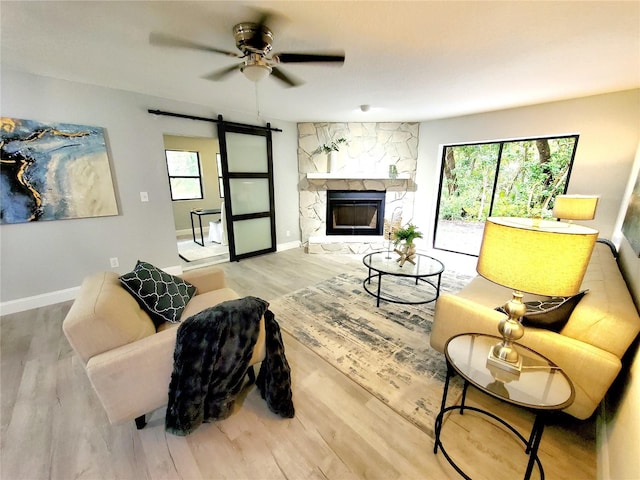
541,387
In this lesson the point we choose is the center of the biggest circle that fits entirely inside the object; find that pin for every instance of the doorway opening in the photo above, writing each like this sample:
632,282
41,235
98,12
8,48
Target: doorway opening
193,164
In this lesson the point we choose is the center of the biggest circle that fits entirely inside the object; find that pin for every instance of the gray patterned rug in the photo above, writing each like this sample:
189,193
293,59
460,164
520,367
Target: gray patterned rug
386,350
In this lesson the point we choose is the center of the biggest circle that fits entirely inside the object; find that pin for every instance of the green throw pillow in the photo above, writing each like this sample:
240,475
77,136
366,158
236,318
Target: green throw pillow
552,314
162,295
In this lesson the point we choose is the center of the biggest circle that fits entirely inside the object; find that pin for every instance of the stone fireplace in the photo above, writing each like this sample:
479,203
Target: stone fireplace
361,166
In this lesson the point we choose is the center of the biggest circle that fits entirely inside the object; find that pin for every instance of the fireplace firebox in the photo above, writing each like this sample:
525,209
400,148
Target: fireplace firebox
351,212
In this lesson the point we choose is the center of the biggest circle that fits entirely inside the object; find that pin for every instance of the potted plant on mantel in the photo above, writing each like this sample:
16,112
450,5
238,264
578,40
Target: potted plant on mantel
407,250
332,149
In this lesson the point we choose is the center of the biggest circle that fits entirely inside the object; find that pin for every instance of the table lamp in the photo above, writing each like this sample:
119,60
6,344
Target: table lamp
575,207
548,259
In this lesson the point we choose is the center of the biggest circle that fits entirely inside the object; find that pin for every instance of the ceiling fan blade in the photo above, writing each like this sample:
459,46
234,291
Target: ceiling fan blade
164,40
289,80
327,57
221,74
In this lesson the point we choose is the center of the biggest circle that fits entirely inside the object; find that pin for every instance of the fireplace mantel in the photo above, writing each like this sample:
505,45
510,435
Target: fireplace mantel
355,176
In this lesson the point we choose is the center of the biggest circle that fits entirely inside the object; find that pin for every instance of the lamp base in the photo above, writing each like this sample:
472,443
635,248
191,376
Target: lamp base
495,360
504,354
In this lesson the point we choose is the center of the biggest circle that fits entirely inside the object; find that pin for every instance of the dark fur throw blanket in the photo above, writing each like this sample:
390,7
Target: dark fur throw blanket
211,359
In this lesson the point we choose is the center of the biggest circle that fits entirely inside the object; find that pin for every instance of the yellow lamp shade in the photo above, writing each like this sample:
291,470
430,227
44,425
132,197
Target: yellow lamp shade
575,207
549,258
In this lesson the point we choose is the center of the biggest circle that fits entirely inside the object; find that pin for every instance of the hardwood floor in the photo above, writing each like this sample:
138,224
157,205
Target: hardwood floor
52,425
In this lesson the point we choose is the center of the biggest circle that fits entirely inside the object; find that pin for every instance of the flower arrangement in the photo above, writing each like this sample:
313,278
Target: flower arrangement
407,233
333,146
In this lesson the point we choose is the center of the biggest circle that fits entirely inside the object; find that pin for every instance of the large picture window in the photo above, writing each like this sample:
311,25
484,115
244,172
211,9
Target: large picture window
185,175
518,178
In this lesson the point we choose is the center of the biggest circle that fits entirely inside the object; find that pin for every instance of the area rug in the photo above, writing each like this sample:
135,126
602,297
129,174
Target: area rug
190,251
385,350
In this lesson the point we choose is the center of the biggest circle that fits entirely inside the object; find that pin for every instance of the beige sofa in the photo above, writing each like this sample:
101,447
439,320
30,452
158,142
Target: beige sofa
590,346
128,362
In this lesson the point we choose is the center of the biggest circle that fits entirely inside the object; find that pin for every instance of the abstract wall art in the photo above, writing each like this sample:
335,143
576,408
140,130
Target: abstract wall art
53,171
631,223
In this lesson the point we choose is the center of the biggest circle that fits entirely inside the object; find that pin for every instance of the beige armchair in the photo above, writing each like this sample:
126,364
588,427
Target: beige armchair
128,361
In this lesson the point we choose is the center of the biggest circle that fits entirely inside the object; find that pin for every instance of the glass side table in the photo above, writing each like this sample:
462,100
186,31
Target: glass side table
541,387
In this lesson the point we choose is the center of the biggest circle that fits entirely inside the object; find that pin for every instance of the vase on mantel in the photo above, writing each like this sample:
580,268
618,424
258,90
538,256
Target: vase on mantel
332,158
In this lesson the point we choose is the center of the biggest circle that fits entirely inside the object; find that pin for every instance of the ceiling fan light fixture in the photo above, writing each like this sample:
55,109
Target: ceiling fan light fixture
256,72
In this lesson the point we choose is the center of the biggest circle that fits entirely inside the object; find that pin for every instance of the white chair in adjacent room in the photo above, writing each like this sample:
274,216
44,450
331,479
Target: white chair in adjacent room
217,230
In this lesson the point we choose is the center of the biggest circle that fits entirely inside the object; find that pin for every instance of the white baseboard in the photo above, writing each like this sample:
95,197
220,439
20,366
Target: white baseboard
27,303
288,246
51,298
189,233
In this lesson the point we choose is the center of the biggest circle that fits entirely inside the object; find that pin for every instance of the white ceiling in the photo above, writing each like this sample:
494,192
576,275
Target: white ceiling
410,61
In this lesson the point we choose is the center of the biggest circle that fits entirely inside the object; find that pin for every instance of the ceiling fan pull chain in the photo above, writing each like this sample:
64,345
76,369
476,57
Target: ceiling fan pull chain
257,100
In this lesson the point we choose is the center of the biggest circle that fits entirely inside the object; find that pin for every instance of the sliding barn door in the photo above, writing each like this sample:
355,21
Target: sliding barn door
247,167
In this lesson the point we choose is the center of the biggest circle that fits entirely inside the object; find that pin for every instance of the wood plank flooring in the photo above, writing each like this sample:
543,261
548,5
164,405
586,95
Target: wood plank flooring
52,426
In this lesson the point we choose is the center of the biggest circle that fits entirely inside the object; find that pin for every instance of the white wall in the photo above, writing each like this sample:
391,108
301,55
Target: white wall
43,259
620,436
608,126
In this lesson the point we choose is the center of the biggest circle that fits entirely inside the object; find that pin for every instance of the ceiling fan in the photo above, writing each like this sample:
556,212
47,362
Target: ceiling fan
254,40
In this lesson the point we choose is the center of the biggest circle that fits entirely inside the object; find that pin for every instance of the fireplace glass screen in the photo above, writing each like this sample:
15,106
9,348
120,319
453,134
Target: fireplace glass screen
355,212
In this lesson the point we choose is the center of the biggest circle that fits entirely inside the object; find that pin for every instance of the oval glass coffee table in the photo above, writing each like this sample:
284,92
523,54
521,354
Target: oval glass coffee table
540,386
426,271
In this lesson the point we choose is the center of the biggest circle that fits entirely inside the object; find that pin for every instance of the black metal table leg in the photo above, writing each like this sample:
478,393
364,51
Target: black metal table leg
466,355
201,234
533,444
141,421
443,404
464,397
379,285
193,229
